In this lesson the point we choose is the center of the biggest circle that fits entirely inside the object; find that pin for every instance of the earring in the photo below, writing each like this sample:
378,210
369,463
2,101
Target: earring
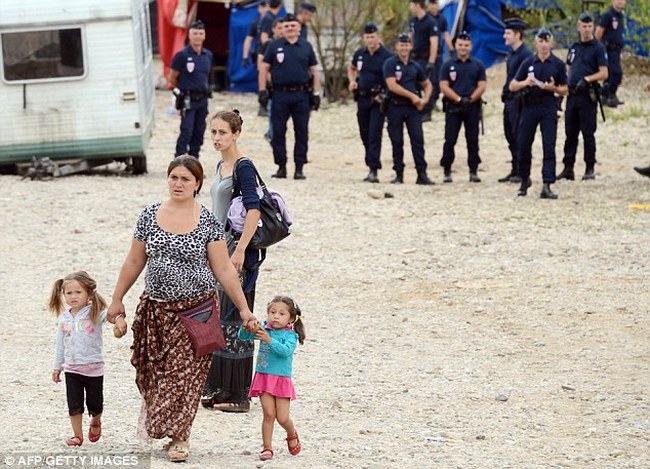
195,192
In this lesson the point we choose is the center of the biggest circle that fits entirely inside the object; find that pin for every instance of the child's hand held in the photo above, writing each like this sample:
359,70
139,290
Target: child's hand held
120,327
262,335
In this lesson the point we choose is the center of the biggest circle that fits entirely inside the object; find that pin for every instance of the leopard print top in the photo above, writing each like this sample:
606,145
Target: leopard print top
177,264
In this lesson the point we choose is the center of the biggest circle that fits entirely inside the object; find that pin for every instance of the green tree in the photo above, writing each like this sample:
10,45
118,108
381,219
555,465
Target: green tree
337,33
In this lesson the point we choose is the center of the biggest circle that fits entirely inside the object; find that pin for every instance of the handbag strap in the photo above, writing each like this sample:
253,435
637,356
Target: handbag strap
236,187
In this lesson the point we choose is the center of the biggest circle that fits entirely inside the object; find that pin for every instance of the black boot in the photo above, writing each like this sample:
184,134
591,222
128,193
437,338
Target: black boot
281,173
423,179
372,176
589,173
473,177
298,174
547,193
643,171
399,178
507,178
523,189
447,177
567,173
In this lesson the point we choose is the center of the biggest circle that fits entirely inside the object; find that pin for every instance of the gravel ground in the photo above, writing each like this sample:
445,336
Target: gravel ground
453,326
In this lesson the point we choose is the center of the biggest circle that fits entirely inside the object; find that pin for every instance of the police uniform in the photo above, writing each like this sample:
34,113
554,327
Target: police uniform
509,99
423,30
194,70
613,23
584,58
441,23
463,78
291,79
370,82
539,108
304,29
400,111
265,26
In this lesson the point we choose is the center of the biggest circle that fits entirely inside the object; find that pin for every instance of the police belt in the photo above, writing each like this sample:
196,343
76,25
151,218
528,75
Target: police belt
400,102
420,55
577,92
613,47
196,95
530,101
291,88
363,93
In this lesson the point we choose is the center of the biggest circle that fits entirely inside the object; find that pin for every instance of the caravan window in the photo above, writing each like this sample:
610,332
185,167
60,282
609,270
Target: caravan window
42,55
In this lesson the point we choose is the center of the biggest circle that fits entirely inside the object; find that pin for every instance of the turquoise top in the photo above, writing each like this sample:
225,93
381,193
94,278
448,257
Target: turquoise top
275,358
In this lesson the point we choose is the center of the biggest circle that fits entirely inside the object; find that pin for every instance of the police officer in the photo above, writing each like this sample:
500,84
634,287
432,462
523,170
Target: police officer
253,34
462,82
443,38
513,37
365,74
611,29
190,70
587,65
541,77
405,80
305,14
266,23
291,61
424,30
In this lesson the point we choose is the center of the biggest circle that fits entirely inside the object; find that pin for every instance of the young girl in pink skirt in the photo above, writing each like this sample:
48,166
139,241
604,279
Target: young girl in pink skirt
272,382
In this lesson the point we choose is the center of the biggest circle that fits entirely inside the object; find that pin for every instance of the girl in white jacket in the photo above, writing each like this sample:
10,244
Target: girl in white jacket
79,349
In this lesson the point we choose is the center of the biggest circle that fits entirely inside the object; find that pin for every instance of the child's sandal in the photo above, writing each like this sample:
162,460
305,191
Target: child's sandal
294,449
266,454
76,440
94,437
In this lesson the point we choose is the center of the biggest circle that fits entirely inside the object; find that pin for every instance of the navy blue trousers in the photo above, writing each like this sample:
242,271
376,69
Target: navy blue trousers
192,128
545,115
580,116
615,73
433,78
510,131
397,117
371,128
294,105
454,119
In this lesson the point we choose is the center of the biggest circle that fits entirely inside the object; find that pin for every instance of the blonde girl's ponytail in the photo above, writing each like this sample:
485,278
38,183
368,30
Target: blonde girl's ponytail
55,305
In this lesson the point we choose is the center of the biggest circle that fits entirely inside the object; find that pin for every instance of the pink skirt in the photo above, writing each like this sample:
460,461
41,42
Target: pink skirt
278,386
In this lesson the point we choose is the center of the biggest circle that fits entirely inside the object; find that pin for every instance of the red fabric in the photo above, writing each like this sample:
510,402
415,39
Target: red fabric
170,38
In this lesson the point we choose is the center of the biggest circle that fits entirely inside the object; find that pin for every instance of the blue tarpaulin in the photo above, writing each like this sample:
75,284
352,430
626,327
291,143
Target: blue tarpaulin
243,80
483,21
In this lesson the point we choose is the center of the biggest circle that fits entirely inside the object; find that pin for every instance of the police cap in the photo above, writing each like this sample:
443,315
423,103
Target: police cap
263,3
403,38
464,35
544,34
516,24
198,24
308,7
370,28
585,17
289,17
275,3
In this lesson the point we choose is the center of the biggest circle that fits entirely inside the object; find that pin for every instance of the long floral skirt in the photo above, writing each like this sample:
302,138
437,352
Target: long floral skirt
168,376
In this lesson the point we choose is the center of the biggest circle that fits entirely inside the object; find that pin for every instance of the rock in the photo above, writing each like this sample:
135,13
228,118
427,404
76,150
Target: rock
568,387
501,397
375,193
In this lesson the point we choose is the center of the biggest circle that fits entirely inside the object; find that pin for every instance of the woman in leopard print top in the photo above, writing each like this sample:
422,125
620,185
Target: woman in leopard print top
182,246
